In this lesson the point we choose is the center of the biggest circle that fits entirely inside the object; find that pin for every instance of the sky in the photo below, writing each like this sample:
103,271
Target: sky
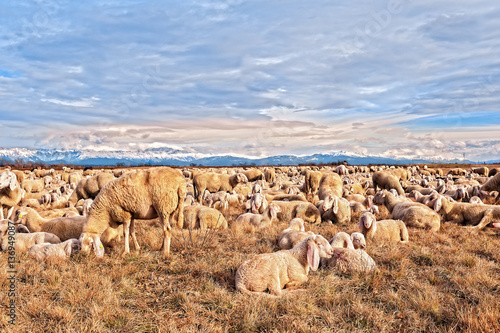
395,78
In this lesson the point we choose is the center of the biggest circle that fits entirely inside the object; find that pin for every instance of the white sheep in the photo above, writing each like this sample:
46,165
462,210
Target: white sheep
294,234
283,269
10,193
260,220
55,251
23,241
345,260
375,231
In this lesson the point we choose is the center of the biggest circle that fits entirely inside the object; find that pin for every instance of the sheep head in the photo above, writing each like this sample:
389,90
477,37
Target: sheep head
358,240
317,247
8,178
91,239
367,220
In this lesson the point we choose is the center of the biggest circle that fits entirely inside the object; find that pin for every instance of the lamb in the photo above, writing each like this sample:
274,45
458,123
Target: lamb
292,209
493,184
90,187
23,241
10,193
211,198
145,194
385,230
31,186
201,217
260,220
293,235
330,184
358,240
214,182
335,210
283,269
478,215
386,181
342,239
346,261
56,251
63,227
413,214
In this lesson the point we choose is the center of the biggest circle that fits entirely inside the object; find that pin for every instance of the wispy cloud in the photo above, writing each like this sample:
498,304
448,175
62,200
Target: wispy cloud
254,77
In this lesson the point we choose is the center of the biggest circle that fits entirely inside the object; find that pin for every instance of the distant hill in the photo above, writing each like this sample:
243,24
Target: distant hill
177,157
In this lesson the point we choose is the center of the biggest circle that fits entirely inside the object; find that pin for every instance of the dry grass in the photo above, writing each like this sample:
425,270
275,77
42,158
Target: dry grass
447,282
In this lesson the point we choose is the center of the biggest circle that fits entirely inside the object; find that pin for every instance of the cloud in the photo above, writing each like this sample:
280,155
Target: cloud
259,77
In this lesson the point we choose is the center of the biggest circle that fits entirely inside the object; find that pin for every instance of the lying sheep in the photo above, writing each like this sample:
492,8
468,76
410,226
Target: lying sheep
413,214
283,269
335,210
201,217
376,231
260,220
347,261
55,251
293,235
493,184
478,215
23,241
292,209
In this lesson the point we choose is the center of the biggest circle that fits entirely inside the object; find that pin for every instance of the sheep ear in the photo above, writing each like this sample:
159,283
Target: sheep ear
98,247
68,247
335,206
22,229
273,212
13,181
438,204
313,256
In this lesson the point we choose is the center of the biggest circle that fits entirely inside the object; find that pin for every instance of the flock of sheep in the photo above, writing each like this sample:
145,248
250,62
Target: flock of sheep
57,213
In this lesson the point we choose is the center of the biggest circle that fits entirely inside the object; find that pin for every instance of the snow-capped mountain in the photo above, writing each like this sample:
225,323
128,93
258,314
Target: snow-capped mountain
179,157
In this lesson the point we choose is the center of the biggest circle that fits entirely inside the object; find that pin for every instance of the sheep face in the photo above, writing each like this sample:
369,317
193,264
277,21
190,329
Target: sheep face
87,240
8,178
358,240
379,198
317,247
366,220
297,224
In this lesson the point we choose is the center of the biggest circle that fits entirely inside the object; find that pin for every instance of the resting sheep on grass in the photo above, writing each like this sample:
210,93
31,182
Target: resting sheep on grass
375,231
145,194
347,261
493,184
413,214
478,215
292,209
55,251
335,210
201,217
283,269
260,220
23,241
293,235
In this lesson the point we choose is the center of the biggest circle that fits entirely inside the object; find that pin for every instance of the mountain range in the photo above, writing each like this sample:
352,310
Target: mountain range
179,157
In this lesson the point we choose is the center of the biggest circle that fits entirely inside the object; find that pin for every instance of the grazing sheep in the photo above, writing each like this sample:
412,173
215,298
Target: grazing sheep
90,187
330,184
10,193
457,172
292,209
214,182
283,269
23,241
376,231
413,214
270,175
145,194
293,235
55,251
386,181
253,175
482,171
201,217
478,215
312,180
260,220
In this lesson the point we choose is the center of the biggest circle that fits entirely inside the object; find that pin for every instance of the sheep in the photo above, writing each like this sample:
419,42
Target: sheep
23,241
86,206
201,217
478,215
413,214
55,251
312,180
211,198
145,194
90,187
292,209
214,182
493,184
386,181
31,186
341,170
335,210
346,261
358,240
283,269
253,175
376,231
63,227
285,197
342,239
493,171
10,193
258,203
293,235
482,171
260,220
330,184
270,175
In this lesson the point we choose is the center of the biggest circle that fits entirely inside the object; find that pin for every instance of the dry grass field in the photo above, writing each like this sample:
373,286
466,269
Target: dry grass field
446,282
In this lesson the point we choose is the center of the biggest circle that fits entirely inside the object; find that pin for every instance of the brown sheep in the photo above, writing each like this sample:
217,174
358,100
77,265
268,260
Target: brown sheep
214,182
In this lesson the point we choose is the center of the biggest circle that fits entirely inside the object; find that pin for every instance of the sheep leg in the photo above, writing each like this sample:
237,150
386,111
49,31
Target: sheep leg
132,233
1,212
487,219
9,212
292,285
167,235
126,232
